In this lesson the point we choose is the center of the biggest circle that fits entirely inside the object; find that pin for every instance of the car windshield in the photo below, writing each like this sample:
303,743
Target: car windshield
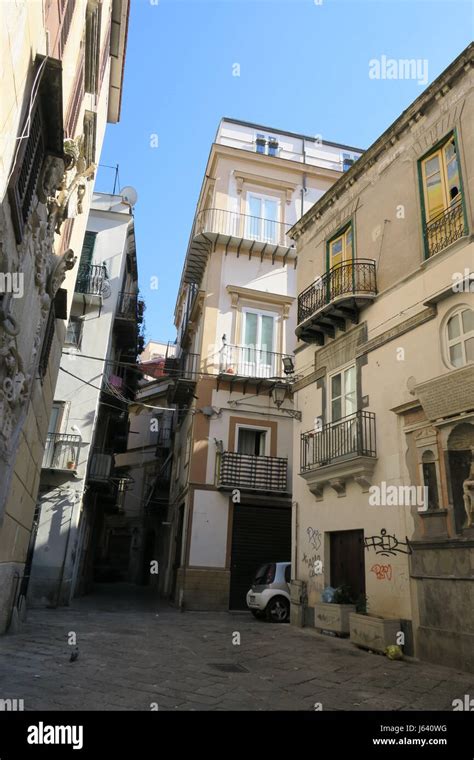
265,574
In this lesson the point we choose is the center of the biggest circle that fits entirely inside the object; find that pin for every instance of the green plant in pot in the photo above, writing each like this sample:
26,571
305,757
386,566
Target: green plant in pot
343,595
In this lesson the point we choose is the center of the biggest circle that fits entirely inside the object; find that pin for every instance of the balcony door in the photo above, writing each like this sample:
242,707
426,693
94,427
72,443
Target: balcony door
251,441
257,353
262,223
343,432
54,446
340,262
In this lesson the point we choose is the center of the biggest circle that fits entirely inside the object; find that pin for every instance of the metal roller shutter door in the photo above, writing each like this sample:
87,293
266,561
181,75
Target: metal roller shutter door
259,535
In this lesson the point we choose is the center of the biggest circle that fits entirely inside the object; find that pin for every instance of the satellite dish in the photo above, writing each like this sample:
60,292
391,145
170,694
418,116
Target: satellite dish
129,195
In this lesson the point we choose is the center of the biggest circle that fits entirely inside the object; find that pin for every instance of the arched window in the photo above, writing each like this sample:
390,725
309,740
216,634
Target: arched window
430,479
460,337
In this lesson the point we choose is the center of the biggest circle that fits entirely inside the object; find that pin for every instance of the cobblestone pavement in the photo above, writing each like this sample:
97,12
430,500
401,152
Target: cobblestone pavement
134,651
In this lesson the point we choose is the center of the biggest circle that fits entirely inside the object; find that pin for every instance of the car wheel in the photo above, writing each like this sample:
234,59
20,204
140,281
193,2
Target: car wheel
257,614
278,610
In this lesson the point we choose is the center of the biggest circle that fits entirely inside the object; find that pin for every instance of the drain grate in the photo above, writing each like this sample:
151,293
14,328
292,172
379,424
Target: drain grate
228,667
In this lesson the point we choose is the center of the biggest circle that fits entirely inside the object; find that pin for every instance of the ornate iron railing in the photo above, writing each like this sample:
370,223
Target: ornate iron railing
129,306
61,451
349,278
249,361
354,435
91,279
445,228
234,224
252,472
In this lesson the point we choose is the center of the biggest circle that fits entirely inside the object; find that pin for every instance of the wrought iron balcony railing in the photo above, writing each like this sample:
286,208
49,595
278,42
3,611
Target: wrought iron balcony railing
254,473
91,279
351,278
248,361
351,436
445,228
129,306
186,367
61,451
243,226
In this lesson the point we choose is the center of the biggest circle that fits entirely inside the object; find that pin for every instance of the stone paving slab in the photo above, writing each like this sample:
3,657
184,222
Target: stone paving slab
135,651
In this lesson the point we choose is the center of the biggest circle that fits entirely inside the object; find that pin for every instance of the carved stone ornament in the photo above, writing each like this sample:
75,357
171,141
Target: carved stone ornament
59,183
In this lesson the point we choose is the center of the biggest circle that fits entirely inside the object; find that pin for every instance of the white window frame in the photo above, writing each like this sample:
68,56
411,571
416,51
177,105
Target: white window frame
259,368
339,371
460,339
264,197
257,428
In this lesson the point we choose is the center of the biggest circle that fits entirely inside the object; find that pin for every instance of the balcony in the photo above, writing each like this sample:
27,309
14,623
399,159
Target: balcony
100,465
342,449
252,473
61,452
250,365
185,372
128,316
248,234
91,279
445,228
336,296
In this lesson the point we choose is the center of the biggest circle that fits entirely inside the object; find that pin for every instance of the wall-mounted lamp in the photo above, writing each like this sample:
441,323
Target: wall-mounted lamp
288,365
279,393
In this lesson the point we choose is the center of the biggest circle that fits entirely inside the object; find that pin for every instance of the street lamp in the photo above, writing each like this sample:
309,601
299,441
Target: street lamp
279,393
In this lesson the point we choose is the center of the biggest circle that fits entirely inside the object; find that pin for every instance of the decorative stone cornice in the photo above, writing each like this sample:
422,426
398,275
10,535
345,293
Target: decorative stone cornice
237,292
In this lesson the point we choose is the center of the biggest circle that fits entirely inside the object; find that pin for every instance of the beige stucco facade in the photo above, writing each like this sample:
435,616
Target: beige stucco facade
231,479
409,399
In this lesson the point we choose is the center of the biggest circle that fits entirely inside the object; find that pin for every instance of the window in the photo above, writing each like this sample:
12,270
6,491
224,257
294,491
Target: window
343,399
440,179
263,218
460,337
260,143
340,248
257,355
251,441
74,332
24,178
430,479
47,343
84,270
442,197
92,47
340,256
272,146
347,162
55,418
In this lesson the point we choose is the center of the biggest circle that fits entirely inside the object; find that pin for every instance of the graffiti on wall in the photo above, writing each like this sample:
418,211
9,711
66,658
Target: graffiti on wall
387,544
382,572
314,538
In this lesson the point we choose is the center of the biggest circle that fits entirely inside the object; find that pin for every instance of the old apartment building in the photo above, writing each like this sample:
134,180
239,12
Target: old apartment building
383,477
80,490
230,500
62,68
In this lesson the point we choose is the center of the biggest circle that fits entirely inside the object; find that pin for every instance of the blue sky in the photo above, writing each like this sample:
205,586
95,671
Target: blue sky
304,67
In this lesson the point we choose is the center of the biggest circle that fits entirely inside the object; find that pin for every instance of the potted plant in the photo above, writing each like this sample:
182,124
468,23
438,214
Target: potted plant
71,464
334,615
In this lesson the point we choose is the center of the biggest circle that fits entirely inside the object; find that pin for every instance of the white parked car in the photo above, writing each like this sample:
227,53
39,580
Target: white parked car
269,595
